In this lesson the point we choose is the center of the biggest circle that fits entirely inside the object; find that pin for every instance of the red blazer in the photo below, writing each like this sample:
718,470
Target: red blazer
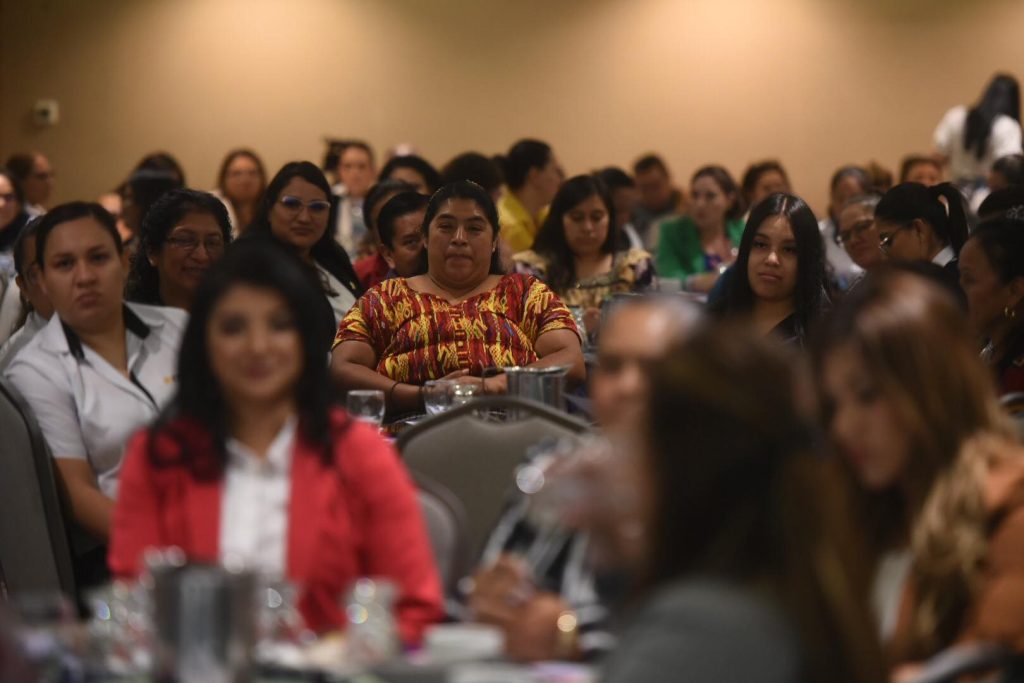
356,517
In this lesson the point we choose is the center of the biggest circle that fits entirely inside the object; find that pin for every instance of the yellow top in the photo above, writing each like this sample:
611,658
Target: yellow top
518,227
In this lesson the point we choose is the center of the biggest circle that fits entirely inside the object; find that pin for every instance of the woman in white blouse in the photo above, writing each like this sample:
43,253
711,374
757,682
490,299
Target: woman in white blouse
295,211
101,368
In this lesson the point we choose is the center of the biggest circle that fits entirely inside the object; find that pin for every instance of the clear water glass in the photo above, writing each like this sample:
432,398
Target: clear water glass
438,395
464,391
366,405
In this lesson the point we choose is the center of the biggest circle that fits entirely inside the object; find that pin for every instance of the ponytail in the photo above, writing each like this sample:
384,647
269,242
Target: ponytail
913,201
955,225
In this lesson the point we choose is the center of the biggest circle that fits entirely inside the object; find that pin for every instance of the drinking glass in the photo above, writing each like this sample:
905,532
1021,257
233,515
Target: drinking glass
464,391
366,405
438,395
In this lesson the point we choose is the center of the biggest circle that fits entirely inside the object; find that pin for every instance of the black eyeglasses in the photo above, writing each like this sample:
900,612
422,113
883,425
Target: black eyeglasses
315,207
188,244
856,230
885,241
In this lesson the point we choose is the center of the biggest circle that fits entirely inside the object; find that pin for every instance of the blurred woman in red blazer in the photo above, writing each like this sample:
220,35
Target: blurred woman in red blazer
251,464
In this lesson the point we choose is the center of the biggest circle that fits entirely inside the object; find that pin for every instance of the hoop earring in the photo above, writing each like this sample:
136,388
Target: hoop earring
1009,313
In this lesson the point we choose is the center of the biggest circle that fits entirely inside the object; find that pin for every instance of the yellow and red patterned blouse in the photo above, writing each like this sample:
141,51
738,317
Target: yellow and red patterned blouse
419,336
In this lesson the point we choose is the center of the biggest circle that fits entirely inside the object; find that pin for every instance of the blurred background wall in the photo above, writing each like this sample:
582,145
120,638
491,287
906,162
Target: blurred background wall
816,83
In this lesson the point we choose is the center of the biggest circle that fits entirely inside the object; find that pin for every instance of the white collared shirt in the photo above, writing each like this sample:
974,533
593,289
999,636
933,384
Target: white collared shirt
87,410
944,256
254,506
342,300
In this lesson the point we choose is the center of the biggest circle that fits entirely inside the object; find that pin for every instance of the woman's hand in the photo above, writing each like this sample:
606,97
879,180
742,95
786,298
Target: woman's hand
457,375
497,384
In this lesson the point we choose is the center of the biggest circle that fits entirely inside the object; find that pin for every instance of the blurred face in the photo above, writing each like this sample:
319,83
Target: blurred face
460,242
987,297
412,177
356,172
858,235
30,285
254,347
901,241
625,200
39,183
83,275
406,249
845,190
655,189
547,179
772,267
630,340
243,181
9,206
299,216
863,423
190,248
709,203
924,173
586,226
768,184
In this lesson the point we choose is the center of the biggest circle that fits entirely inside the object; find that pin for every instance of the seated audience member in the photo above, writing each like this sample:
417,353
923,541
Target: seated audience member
400,231
462,317
295,212
101,368
477,168
699,247
857,233
184,232
880,178
356,174
576,251
738,581
140,192
760,180
532,174
1005,203
1006,171
35,175
240,185
414,170
373,269
625,197
259,468
924,224
912,412
917,168
13,217
779,282
163,161
638,331
847,182
659,198
35,304
992,277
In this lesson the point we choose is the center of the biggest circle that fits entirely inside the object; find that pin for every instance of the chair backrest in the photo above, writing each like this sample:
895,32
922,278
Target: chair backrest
476,458
446,522
34,548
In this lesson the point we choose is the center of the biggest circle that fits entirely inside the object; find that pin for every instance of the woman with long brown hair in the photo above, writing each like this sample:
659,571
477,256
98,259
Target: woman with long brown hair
912,411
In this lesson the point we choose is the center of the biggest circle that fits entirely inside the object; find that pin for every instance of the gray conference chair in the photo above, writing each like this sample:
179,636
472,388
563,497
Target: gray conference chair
446,522
34,550
475,456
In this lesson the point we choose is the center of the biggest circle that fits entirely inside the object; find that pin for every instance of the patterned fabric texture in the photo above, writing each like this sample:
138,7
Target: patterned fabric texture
632,271
419,336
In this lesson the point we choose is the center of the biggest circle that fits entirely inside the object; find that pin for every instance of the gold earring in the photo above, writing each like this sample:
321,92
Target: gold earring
1009,313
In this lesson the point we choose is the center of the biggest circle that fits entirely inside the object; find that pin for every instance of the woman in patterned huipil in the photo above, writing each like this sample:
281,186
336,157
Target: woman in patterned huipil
463,317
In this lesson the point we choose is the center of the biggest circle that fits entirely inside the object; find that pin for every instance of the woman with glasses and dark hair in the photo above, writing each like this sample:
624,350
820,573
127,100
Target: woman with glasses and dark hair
779,283
923,224
256,467
462,317
240,185
184,232
856,230
699,247
295,212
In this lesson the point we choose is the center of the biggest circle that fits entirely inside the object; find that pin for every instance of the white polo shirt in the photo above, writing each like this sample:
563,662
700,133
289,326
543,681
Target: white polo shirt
86,409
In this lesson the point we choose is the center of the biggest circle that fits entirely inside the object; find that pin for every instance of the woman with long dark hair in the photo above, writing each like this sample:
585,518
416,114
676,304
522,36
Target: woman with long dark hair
250,462
294,212
779,280
240,185
971,138
576,251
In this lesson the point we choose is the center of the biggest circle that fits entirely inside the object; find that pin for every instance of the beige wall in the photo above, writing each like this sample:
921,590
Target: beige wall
813,82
